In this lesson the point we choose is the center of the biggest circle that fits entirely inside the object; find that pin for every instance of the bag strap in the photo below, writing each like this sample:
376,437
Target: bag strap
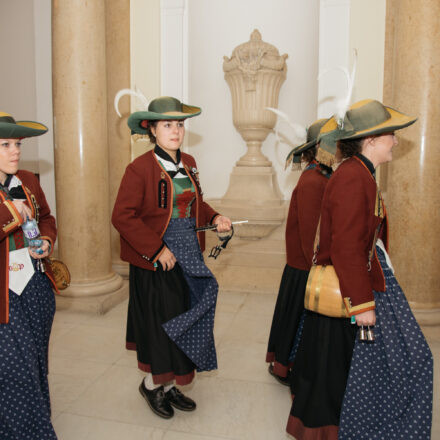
316,244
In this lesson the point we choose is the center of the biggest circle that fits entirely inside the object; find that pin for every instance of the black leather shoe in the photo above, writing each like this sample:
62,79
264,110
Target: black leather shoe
282,380
157,401
179,400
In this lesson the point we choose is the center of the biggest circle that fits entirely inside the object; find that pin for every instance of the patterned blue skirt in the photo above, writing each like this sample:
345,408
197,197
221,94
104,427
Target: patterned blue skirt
389,388
24,391
193,331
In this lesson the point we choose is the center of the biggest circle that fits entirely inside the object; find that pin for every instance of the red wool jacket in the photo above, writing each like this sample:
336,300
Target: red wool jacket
352,209
144,206
302,221
10,221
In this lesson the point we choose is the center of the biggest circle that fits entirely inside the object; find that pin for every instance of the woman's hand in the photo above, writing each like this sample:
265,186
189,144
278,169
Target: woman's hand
23,209
366,318
167,259
45,247
223,223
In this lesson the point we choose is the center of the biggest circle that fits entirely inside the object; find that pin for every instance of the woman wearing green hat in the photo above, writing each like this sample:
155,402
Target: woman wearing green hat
27,303
172,293
302,221
380,389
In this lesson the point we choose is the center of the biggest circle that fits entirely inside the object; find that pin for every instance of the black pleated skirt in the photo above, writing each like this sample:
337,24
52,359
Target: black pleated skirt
286,319
155,298
319,376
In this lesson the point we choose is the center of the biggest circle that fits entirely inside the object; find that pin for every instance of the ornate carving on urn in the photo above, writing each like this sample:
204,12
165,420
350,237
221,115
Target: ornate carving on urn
254,73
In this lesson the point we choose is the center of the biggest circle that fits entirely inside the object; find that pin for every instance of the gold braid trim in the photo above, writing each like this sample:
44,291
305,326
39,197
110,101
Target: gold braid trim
325,157
15,215
142,137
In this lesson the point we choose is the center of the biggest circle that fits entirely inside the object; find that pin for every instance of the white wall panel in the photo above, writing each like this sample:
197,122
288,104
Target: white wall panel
215,29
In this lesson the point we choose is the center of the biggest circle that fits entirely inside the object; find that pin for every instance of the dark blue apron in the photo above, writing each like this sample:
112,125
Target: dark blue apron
193,331
389,388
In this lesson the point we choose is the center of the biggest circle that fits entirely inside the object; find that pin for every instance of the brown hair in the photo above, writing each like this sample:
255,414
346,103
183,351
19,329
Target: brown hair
150,124
350,147
308,155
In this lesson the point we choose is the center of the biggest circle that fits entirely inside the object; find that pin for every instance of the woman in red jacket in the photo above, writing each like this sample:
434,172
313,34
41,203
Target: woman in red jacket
27,303
351,389
302,220
172,293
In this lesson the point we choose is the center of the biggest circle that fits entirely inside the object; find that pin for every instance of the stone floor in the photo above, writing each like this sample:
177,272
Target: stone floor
94,380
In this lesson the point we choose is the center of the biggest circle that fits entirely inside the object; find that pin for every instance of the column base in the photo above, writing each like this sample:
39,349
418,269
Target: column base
96,305
427,317
122,268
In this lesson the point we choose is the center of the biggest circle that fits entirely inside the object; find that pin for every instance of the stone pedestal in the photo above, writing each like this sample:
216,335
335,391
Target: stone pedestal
412,85
81,155
254,73
249,265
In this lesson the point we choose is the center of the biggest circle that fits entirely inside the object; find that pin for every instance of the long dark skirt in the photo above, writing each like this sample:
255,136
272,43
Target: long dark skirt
155,298
389,389
24,391
286,320
319,376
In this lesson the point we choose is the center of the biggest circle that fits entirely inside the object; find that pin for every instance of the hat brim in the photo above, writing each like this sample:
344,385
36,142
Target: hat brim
21,129
396,122
135,119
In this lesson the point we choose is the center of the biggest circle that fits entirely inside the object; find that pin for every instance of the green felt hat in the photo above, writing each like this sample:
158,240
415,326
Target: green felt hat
312,137
159,109
11,129
364,118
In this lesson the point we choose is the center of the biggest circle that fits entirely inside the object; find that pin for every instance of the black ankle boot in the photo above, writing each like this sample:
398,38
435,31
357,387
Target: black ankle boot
179,400
157,401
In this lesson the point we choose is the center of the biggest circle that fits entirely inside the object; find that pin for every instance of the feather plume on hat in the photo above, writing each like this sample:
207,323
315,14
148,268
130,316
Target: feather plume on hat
299,134
328,140
141,104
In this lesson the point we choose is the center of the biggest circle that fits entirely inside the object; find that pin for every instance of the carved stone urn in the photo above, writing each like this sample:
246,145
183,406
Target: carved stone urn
254,73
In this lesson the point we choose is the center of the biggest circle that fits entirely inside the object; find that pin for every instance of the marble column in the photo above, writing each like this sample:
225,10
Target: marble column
118,77
81,155
412,85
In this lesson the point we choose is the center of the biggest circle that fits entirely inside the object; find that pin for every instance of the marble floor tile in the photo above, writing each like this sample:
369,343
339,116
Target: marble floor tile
230,302
222,322
236,410
74,427
249,327
260,304
116,317
178,435
115,396
91,343
244,362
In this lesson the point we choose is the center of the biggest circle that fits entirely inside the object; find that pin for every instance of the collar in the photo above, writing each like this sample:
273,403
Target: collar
367,163
164,155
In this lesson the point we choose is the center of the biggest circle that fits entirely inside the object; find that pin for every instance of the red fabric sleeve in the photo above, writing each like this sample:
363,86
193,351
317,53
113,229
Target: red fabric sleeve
309,197
349,235
125,216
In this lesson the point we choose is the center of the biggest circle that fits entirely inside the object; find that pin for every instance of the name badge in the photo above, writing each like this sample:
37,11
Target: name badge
21,270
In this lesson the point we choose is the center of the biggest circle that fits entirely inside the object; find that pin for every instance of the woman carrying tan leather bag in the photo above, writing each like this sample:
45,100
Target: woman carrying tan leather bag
346,388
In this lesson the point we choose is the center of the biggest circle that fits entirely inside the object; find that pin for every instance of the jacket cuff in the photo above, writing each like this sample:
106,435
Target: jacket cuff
156,255
45,237
359,308
16,219
211,222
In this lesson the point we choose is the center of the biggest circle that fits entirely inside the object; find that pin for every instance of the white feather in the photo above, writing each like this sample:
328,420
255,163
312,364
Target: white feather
342,104
136,93
300,132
